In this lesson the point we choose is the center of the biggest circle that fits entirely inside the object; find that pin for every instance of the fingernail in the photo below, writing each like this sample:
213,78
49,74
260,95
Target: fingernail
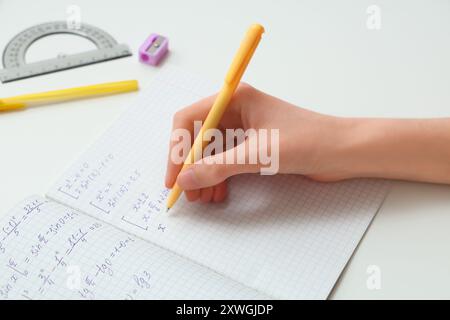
187,180
167,182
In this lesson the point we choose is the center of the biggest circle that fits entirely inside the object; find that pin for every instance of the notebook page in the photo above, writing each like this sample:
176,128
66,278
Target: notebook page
282,235
48,251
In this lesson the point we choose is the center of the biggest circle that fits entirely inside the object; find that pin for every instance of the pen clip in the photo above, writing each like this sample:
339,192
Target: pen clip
244,54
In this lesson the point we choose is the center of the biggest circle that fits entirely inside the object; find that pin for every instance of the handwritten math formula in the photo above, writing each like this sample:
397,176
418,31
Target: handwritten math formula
145,210
41,242
84,176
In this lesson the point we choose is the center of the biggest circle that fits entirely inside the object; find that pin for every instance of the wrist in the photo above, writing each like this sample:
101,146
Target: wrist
372,147
358,141
353,146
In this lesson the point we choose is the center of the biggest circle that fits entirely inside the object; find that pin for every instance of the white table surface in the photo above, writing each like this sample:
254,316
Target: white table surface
317,54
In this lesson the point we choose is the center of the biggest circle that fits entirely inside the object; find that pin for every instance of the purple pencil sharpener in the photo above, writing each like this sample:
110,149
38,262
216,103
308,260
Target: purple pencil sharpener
153,49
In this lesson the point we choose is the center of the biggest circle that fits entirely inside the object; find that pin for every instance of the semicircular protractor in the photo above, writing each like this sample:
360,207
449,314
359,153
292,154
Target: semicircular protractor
15,66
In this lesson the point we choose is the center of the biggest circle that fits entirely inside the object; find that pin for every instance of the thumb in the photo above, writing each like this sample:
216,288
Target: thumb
213,170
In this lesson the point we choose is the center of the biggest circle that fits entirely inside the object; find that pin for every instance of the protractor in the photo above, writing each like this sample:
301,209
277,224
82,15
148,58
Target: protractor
15,66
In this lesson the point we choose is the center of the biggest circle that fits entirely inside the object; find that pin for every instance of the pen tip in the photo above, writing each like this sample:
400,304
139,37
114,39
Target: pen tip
167,209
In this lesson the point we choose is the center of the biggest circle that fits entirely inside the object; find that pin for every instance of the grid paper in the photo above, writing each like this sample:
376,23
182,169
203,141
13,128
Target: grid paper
284,235
49,251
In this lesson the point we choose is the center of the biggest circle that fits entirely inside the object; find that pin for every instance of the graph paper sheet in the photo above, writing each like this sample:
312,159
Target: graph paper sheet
49,251
285,236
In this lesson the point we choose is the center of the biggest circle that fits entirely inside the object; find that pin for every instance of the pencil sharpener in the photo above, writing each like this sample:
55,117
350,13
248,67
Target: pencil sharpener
153,50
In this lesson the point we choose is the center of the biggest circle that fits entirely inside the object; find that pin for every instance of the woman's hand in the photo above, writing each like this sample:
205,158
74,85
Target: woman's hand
307,142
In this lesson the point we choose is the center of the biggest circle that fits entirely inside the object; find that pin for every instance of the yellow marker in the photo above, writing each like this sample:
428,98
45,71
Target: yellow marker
23,101
232,79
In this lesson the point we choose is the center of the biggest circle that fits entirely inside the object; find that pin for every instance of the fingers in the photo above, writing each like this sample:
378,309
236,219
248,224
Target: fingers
184,119
192,195
206,179
206,194
217,193
220,192
215,188
212,170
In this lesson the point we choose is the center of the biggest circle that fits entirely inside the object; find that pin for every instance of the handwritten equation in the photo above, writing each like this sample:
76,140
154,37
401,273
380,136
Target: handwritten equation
43,242
12,226
84,176
145,210
109,197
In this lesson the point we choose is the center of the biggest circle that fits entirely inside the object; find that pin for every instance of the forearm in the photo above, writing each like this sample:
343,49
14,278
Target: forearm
396,148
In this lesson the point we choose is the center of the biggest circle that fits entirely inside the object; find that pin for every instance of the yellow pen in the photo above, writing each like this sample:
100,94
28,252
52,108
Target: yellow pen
23,101
232,79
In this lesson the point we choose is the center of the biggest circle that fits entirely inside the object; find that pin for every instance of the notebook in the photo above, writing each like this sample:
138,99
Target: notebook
102,231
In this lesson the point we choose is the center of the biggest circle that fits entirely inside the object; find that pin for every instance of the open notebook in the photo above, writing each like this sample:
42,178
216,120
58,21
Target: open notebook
102,231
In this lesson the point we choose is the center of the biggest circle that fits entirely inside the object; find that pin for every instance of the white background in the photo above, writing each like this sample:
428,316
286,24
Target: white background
317,54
